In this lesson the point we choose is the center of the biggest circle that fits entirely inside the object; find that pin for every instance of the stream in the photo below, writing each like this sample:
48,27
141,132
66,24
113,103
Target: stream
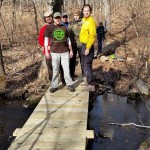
12,115
110,108
104,109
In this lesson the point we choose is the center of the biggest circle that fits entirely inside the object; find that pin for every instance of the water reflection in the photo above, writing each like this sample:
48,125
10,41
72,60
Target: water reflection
110,108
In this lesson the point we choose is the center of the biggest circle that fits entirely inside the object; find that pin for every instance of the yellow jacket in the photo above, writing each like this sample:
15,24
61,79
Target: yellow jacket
88,32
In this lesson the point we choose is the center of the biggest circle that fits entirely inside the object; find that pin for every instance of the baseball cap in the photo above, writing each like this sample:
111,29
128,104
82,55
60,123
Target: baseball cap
57,14
47,14
64,15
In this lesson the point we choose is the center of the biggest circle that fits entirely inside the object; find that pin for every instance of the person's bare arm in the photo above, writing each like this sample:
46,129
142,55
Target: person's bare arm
47,55
70,47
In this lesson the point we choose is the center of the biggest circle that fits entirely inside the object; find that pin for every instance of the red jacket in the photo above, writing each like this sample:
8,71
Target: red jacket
41,38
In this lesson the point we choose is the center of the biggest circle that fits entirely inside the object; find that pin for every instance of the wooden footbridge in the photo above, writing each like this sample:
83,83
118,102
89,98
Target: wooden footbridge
59,122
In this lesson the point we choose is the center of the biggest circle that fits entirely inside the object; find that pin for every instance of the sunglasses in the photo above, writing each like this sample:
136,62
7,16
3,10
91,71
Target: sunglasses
65,16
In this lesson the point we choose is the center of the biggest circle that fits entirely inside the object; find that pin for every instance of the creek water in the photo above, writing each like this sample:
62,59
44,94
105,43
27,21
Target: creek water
104,109
12,115
110,108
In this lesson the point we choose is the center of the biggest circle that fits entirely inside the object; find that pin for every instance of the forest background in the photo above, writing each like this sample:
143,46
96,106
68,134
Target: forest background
127,22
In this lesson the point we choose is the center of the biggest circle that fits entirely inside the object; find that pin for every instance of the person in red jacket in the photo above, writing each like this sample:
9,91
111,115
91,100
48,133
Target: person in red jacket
48,19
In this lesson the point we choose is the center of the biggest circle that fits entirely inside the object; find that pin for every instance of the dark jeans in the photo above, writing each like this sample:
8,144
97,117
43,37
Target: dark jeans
100,42
73,61
79,52
87,62
50,68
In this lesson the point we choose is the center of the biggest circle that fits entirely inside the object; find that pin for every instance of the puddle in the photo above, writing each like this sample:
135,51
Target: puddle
110,108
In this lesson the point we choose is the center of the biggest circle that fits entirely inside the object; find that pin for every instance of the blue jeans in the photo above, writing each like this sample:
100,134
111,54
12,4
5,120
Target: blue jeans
64,59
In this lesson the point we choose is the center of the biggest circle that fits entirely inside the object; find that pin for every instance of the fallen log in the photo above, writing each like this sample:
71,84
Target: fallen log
109,49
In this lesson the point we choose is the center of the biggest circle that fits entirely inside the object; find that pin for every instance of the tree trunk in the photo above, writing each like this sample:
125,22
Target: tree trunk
58,6
36,21
20,7
3,24
107,14
2,72
13,21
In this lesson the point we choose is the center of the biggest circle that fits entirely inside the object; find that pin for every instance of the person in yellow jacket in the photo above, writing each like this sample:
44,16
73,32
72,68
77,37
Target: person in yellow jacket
87,38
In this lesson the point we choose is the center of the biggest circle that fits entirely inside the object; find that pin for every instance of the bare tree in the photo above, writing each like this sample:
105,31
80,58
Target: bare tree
35,18
1,18
58,5
13,20
2,72
107,15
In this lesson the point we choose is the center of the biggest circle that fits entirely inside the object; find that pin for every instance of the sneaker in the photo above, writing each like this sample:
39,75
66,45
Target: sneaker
71,88
52,90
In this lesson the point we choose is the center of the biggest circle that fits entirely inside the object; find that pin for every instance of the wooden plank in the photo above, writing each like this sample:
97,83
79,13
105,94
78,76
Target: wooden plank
51,137
54,145
48,116
63,101
49,130
64,105
49,148
58,123
90,134
65,108
57,146
43,108
60,98
17,131
55,123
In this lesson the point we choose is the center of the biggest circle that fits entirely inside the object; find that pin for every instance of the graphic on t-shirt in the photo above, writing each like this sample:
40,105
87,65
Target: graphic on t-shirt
59,34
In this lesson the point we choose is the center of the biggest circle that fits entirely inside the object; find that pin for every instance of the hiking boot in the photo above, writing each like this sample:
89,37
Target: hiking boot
52,90
71,88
